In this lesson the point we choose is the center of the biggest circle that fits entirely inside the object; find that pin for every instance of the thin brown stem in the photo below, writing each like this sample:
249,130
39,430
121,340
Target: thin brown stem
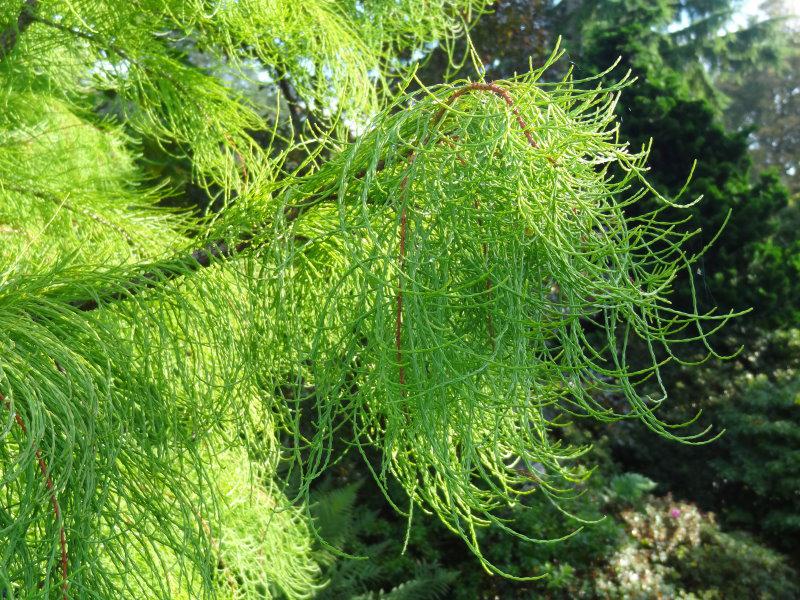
232,145
399,322
506,96
485,250
497,91
401,260
53,501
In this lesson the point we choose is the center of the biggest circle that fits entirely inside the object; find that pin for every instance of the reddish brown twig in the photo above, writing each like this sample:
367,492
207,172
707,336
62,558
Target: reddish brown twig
497,91
53,500
401,260
506,96
485,249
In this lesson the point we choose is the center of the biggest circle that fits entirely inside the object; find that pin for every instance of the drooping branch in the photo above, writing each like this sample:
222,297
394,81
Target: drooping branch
84,35
53,500
204,257
497,91
201,258
10,35
476,86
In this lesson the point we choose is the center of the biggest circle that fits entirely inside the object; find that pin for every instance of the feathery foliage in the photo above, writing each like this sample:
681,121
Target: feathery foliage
437,288
479,235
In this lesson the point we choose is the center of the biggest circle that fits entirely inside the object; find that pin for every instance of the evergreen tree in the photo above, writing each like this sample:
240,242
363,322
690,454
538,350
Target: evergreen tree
173,381
670,107
767,101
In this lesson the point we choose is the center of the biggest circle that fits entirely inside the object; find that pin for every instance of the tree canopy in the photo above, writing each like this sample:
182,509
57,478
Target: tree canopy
445,277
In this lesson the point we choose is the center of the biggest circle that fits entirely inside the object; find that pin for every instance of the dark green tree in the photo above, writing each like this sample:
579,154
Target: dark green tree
685,128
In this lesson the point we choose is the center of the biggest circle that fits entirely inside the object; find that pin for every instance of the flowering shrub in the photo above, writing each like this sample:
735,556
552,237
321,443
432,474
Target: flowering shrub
660,533
675,550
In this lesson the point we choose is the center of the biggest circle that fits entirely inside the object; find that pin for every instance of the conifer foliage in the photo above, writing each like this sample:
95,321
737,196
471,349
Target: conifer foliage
445,289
